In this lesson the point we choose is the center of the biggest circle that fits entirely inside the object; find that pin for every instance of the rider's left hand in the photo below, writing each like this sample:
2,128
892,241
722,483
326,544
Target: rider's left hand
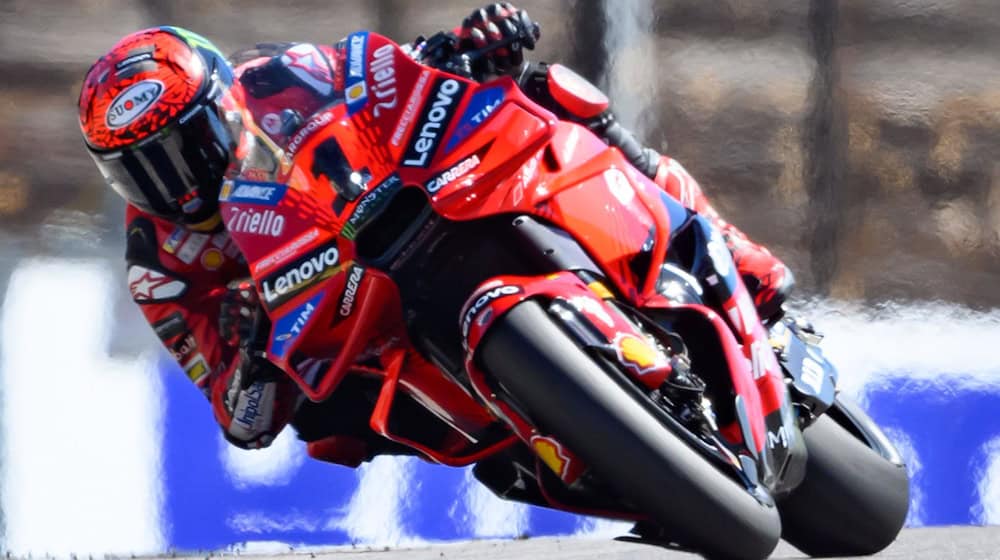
495,23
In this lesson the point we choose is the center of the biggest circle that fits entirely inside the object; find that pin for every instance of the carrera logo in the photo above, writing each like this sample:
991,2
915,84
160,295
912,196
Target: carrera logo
384,71
484,300
314,124
248,220
460,169
463,167
131,103
301,274
351,290
434,121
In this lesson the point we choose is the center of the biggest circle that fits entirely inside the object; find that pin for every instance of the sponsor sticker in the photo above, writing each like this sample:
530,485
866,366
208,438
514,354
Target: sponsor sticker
383,70
271,123
481,107
301,274
192,247
171,326
286,251
150,286
132,103
551,453
254,192
354,278
316,122
456,172
196,369
176,238
438,111
638,354
267,223
212,259
369,206
134,59
483,300
355,85
410,112
289,327
184,348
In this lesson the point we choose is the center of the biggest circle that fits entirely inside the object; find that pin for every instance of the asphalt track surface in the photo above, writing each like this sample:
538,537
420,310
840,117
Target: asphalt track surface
937,543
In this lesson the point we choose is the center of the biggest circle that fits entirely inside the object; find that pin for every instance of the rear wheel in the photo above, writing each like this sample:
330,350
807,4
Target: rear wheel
853,500
569,395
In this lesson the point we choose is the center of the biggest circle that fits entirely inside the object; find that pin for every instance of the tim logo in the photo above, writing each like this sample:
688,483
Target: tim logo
132,103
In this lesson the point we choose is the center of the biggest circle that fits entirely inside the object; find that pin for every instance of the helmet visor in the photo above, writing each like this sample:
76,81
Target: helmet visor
177,170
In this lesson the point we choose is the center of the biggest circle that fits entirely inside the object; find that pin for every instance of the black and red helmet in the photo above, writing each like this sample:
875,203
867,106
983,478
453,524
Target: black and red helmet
152,111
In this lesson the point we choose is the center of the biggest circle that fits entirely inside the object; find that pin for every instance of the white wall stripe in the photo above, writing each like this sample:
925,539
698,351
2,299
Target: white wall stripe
81,432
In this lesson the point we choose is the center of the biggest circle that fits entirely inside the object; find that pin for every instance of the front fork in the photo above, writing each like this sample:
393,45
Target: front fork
765,419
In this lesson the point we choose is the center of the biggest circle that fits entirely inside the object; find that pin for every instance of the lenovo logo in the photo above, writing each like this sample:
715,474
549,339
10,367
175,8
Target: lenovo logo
433,123
301,274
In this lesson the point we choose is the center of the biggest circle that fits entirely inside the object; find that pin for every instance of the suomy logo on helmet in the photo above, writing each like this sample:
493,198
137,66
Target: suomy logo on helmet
132,103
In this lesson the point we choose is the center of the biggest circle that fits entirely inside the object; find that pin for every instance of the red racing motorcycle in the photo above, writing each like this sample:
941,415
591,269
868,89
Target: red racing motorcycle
528,302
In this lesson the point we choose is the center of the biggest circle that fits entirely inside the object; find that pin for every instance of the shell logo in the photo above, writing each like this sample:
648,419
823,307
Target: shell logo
357,92
636,353
551,453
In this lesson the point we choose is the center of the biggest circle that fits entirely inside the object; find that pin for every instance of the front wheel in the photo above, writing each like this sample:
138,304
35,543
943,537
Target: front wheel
570,396
855,495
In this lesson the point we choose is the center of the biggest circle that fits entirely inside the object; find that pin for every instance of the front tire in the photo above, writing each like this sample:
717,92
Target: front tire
570,396
852,502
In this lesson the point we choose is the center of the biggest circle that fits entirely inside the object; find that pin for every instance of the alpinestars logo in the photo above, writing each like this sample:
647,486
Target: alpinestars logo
434,120
299,275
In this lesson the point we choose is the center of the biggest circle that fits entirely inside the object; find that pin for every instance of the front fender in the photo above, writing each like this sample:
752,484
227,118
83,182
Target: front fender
584,309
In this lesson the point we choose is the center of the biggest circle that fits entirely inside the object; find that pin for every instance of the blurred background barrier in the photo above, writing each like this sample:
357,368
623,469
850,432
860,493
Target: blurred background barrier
854,138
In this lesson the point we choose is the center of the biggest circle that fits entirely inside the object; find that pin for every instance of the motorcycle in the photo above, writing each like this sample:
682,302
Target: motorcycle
529,303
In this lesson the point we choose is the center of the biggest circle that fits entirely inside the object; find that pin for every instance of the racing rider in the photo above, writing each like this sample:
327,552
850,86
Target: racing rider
166,120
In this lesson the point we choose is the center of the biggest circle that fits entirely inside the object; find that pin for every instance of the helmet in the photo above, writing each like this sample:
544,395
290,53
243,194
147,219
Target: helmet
153,113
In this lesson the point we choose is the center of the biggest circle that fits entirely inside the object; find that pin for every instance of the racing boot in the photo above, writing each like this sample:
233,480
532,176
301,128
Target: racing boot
768,280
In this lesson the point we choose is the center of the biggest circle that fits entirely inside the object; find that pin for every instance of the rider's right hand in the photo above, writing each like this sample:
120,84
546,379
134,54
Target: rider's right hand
238,312
498,23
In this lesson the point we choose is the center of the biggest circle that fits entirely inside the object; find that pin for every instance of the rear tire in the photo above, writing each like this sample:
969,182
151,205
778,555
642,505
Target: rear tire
573,398
852,501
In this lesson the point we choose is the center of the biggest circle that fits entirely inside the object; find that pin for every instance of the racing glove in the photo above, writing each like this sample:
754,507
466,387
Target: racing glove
257,402
257,399
498,23
238,311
